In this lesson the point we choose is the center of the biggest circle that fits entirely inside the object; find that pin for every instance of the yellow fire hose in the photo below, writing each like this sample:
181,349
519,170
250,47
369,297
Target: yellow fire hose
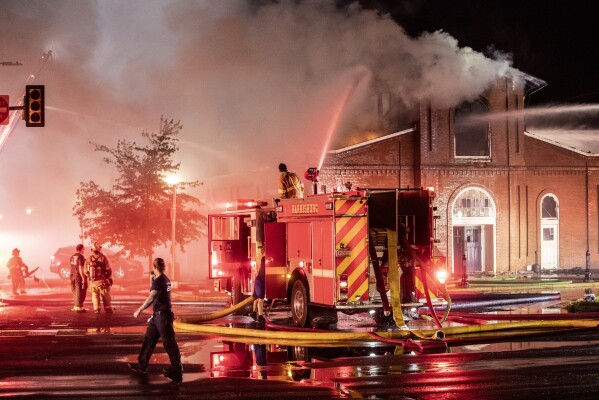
394,279
184,325
219,314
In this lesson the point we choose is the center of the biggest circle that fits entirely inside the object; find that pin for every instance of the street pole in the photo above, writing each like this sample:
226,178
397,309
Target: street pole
173,237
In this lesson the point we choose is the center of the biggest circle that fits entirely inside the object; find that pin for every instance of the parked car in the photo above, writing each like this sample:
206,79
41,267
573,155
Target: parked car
122,268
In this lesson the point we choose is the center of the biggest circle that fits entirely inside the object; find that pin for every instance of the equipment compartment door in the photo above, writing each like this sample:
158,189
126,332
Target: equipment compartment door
276,261
323,269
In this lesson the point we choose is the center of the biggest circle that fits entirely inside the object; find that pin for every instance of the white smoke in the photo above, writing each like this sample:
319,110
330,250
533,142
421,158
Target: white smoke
253,85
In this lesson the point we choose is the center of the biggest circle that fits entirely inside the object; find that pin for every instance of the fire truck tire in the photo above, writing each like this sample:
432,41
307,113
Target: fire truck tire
299,304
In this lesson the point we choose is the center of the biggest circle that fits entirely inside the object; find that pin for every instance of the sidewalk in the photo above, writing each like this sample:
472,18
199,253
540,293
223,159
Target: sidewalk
525,285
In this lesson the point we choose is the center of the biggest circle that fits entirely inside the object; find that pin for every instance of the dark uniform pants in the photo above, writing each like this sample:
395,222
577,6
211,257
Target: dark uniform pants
160,325
79,290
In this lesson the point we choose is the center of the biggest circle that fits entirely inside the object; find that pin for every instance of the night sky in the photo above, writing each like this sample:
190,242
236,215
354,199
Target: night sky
556,41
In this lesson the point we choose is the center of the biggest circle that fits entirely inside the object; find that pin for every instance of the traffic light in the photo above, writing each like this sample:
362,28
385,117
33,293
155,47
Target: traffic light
34,106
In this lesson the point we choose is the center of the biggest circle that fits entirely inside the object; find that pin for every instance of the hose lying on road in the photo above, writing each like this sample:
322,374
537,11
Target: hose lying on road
219,314
524,317
185,325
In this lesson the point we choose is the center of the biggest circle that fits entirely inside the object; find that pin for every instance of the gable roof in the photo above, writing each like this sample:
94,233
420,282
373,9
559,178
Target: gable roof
581,141
371,141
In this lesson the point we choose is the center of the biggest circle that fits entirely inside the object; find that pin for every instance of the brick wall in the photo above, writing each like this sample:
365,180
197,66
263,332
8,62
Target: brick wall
520,172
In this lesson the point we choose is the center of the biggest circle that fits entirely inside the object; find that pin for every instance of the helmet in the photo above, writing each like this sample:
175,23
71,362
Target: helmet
15,251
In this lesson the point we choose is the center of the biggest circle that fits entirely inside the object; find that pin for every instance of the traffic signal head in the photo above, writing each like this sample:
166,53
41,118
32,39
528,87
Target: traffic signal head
34,106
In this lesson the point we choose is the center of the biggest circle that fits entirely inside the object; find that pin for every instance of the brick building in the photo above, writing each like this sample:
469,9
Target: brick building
507,198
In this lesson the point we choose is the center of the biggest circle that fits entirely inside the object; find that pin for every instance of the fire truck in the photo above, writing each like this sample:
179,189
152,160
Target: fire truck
327,252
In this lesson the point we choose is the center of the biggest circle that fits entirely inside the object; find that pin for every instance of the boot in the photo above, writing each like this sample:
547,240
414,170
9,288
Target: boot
174,373
137,368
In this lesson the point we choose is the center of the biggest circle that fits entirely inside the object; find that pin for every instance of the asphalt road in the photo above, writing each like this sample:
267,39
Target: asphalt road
49,352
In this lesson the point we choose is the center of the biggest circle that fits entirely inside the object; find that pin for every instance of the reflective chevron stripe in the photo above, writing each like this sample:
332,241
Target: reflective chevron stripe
351,234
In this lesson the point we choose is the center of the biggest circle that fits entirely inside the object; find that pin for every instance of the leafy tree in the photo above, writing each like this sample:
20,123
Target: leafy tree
132,215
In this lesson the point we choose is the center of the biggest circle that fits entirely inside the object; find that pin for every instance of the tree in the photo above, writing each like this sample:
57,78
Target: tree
132,215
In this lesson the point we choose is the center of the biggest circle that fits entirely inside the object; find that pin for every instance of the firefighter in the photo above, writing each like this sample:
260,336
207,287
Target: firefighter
160,325
18,270
258,305
99,275
78,279
290,185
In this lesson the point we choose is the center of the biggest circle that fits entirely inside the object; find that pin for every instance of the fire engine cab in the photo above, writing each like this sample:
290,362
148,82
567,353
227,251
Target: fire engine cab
326,252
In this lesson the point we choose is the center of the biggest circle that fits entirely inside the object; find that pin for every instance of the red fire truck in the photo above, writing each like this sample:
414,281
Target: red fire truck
327,252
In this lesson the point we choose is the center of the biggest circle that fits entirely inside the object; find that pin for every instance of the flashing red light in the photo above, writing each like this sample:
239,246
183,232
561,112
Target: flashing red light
343,287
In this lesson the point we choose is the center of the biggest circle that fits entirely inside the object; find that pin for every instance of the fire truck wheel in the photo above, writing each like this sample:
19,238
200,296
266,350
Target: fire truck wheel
299,304
298,353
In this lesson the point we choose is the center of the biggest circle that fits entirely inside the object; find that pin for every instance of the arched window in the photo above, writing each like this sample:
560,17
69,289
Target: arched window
473,203
472,130
549,207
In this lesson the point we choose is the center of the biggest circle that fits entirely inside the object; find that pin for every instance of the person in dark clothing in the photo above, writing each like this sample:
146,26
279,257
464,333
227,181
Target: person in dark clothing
160,325
78,279
258,294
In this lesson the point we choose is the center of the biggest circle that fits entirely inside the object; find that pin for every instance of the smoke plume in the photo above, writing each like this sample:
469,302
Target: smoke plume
254,84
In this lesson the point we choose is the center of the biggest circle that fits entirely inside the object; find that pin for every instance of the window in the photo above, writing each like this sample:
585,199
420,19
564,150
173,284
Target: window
549,207
548,234
225,228
472,130
473,203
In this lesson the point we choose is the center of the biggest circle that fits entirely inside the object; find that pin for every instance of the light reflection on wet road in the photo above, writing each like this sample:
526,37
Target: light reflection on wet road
48,352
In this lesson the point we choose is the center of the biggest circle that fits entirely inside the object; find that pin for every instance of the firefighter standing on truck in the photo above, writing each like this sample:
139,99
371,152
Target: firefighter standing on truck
290,185
17,269
99,274
78,279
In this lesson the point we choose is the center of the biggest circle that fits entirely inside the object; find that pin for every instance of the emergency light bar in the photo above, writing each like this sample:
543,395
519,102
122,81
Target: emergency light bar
237,205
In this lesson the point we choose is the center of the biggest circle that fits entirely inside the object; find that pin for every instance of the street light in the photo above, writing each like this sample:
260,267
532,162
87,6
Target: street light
173,181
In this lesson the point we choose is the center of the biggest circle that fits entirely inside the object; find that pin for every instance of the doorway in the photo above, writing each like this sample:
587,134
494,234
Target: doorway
473,219
549,232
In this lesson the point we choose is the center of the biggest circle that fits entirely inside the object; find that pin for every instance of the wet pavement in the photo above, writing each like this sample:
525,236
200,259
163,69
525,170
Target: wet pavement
48,351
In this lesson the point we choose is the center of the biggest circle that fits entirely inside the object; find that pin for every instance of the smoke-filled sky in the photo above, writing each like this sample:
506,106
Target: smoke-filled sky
254,83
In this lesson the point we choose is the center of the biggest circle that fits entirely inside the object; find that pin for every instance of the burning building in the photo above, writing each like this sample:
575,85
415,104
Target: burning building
508,197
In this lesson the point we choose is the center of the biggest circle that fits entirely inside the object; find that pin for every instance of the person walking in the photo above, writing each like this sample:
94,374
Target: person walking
78,279
17,269
99,274
160,325
290,186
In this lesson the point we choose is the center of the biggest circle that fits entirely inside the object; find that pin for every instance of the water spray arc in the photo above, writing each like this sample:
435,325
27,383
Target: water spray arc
349,90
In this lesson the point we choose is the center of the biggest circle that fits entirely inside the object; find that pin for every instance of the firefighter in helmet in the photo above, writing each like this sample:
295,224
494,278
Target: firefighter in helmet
99,274
18,270
290,185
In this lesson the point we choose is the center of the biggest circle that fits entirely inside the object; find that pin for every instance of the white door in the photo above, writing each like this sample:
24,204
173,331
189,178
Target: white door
549,244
